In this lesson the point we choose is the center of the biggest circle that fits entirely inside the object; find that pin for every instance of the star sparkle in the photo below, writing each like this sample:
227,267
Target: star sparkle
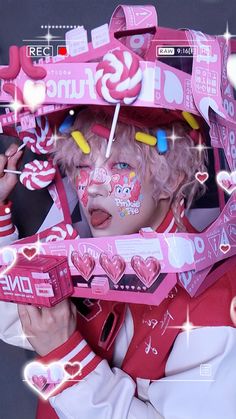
187,326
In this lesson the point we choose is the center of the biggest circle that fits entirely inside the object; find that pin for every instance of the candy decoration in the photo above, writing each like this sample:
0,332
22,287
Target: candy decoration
61,232
145,138
118,80
37,174
189,118
101,131
11,72
40,139
81,141
67,124
162,144
32,71
14,91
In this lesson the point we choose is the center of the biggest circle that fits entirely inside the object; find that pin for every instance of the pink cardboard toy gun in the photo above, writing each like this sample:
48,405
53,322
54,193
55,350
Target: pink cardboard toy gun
42,281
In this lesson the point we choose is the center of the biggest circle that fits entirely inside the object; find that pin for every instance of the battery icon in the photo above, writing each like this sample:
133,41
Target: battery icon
62,50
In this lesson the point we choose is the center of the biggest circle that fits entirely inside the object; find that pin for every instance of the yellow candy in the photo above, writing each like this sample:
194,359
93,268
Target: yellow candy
189,118
81,141
145,138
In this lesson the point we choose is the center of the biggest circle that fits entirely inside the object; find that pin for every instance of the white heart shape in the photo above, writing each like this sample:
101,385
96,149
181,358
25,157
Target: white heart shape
227,181
173,90
9,258
53,375
231,69
34,94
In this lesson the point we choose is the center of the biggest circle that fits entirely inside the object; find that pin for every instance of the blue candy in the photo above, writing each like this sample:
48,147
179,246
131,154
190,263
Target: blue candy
66,124
162,144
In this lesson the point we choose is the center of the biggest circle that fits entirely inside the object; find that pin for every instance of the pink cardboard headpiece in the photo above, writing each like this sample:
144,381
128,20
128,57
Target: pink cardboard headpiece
150,84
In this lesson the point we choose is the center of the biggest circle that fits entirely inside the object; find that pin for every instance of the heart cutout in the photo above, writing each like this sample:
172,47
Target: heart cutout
45,379
9,257
147,270
34,94
73,368
84,264
225,248
231,69
114,267
227,181
29,252
201,177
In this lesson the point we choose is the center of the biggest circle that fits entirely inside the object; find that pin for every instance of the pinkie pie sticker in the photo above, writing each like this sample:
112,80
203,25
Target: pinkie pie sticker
124,187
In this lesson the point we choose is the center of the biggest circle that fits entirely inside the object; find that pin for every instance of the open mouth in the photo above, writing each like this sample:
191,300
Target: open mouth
99,218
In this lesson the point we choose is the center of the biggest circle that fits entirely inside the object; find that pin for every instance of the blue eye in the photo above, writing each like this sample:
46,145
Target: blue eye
122,165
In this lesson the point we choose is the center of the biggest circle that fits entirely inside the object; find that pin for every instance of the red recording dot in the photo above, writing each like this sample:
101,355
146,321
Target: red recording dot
62,50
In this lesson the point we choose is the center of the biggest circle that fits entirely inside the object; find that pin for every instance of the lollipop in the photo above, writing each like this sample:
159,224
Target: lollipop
61,232
39,139
36,174
118,80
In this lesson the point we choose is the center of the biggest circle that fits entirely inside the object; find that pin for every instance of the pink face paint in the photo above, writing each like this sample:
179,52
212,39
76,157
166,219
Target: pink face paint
127,194
82,182
99,176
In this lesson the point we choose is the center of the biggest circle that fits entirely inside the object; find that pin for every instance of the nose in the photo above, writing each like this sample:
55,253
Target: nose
98,184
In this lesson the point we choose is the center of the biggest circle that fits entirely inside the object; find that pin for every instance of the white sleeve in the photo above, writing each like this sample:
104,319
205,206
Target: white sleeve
104,394
200,377
10,326
195,385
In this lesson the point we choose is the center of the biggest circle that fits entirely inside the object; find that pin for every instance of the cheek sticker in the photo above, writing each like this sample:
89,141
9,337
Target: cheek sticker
82,182
127,194
99,176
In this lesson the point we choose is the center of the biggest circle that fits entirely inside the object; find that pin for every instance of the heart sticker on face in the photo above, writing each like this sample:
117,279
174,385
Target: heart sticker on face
34,94
9,258
29,252
225,248
84,264
231,69
227,181
201,177
147,270
114,267
73,368
45,379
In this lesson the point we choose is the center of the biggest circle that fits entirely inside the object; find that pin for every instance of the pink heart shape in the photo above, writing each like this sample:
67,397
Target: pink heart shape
39,381
84,264
147,270
114,267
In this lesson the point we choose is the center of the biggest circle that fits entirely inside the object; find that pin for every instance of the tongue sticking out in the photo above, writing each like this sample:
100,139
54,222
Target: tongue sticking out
99,217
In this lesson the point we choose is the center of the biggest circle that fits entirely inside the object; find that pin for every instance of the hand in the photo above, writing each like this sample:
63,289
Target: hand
8,181
48,328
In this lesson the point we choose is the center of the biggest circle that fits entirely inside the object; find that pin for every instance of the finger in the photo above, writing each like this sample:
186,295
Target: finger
13,160
61,309
11,150
34,314
3,162
24,316
73,309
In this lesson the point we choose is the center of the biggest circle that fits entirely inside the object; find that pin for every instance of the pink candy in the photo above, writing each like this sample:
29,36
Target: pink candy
118,77
37,174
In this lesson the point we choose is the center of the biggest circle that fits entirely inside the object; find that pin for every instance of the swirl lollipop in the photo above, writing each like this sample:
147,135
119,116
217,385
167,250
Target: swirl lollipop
118,80
36,174
39,139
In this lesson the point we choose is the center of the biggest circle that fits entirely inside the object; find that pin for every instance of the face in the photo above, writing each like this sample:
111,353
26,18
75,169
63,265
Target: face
115,199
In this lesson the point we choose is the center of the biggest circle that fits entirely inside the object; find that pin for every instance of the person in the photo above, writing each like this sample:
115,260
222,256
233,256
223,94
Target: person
138,361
